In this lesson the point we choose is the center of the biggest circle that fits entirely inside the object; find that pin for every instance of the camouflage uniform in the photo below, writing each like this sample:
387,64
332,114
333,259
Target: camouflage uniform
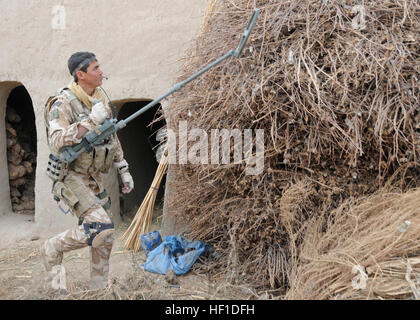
83,180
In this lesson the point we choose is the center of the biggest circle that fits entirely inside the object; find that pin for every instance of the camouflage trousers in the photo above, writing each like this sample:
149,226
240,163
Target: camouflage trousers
52,249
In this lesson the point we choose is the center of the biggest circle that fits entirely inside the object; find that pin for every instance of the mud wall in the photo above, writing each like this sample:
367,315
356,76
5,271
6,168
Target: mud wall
139,45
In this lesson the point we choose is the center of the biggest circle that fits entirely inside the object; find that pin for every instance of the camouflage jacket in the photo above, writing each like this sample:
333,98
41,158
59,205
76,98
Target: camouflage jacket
62,119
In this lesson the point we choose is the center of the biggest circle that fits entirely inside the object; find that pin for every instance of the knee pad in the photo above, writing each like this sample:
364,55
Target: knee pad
103,237
102,233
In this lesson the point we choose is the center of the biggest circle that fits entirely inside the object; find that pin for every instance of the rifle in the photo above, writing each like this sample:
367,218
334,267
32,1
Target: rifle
109,127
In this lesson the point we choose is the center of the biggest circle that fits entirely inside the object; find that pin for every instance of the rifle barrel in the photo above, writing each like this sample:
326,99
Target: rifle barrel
178,86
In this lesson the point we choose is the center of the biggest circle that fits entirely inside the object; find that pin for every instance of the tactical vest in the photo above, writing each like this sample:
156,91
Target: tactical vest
98,160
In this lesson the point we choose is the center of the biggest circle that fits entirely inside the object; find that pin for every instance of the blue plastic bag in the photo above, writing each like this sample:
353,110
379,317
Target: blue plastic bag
174,253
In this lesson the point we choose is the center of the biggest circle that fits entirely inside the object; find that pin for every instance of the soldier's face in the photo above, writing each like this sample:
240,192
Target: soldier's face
93,75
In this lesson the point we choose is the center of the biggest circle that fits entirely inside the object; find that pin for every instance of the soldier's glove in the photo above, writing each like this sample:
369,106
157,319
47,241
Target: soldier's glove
127,178
98,113
122,168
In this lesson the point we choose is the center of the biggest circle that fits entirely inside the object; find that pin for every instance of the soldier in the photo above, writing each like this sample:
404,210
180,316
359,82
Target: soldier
69,116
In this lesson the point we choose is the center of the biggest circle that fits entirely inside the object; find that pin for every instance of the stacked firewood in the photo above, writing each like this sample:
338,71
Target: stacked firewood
21,162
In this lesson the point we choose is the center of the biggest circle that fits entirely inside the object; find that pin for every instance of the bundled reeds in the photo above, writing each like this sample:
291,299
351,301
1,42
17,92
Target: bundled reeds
334,84
142,221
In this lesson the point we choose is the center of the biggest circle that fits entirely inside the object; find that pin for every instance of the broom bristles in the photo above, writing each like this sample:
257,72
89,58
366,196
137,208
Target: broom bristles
142,221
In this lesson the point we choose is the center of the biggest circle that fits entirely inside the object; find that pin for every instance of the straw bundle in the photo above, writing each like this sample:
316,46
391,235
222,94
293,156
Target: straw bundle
335,87
375,241
142,221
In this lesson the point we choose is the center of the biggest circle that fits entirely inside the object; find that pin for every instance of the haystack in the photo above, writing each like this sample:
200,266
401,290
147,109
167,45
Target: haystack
335,87
369,250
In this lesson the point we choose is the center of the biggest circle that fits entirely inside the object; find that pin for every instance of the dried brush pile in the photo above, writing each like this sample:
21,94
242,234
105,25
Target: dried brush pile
370,250
335,86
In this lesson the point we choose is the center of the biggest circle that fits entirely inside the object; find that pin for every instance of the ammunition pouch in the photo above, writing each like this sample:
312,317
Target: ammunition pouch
74,194
61,192
57,169
83,162
106,206
99,159
78,197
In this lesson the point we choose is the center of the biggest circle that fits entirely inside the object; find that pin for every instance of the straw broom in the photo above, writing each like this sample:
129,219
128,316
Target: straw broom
143,219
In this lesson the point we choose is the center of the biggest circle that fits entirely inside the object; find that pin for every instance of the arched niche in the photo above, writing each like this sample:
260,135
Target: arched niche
140,144
18,145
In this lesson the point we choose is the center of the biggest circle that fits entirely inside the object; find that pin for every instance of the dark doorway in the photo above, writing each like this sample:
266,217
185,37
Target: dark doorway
21,150
138,140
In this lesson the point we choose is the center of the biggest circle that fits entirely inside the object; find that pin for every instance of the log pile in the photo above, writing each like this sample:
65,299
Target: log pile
21,161
335,87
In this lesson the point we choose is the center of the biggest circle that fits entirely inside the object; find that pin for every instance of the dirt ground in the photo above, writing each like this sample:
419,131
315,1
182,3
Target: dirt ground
22,277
